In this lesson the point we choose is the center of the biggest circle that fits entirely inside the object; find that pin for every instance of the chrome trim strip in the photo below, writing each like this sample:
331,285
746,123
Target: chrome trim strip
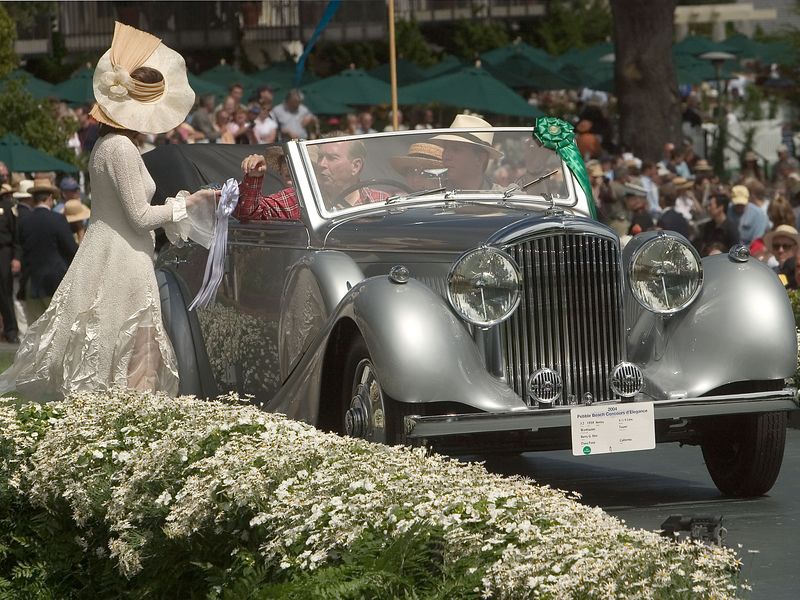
418,427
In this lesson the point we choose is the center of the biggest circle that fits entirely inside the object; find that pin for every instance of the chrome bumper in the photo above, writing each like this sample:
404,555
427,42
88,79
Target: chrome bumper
532,419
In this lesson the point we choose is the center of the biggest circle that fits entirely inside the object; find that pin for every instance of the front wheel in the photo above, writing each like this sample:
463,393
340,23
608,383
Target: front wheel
743,453
367,412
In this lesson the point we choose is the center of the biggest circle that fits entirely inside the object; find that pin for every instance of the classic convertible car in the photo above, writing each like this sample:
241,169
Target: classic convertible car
420,301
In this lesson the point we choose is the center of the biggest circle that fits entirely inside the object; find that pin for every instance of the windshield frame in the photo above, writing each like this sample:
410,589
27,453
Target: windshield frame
448,195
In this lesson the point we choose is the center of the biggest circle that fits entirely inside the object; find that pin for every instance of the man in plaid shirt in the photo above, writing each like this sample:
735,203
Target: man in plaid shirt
253,205
339,166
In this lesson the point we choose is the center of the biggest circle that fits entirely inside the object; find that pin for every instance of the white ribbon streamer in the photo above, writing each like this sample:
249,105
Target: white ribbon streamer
215,265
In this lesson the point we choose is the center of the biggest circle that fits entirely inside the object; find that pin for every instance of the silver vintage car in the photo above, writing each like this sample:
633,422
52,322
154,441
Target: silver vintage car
433,302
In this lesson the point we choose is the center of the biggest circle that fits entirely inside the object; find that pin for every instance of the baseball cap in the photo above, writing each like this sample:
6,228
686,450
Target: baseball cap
740,194
69,184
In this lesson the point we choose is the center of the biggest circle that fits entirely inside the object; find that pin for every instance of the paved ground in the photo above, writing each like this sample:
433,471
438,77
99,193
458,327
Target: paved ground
644,488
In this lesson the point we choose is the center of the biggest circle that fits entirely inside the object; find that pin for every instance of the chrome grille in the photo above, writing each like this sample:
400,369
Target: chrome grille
570,316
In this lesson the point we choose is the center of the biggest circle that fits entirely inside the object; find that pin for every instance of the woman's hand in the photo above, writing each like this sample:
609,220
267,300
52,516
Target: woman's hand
203,196
254,165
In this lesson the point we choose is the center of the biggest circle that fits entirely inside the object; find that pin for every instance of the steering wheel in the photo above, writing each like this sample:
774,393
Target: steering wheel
339,200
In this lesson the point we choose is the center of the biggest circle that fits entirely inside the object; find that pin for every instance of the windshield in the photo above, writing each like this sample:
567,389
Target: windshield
352,172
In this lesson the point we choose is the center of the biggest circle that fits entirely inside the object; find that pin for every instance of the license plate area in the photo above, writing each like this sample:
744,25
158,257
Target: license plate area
610,428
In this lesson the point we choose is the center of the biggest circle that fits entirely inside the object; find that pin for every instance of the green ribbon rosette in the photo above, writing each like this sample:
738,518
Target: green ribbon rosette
556,134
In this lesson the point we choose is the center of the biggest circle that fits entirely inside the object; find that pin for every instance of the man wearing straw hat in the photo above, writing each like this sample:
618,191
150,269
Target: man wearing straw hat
467,153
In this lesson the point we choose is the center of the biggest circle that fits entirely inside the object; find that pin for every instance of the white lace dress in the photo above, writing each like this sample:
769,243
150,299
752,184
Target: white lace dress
103,327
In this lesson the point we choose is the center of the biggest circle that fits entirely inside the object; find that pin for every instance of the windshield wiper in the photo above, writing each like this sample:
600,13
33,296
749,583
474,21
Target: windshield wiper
392,199
515,187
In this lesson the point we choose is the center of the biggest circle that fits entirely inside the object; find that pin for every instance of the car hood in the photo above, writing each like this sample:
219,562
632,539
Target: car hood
429,228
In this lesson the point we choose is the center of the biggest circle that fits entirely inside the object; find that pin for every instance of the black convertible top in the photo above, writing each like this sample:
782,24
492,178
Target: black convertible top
176,167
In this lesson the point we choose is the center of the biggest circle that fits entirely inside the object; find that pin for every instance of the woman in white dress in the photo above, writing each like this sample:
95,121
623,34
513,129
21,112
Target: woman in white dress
103,327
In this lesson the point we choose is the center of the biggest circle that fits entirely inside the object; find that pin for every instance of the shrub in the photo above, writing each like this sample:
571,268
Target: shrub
126,495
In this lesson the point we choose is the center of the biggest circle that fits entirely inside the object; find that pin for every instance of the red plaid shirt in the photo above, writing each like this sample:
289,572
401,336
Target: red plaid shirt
253,206
366,195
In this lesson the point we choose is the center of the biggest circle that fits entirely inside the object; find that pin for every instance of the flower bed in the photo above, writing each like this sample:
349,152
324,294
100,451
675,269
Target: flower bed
123,495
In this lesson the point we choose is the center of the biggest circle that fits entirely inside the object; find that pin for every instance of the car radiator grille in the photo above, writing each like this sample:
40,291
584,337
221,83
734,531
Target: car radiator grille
570,315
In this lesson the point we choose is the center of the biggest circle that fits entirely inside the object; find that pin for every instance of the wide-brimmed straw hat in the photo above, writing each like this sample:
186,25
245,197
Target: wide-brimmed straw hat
786,231
75,210
41,184
420,155
24,190
703,166
681,183
126,103
474,138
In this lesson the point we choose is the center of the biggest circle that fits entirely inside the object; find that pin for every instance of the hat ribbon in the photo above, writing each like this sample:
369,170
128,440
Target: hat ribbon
130,49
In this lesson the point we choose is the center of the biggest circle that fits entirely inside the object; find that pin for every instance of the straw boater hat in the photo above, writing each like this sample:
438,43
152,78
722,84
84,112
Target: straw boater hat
75,210
786,231
681,183
420,156
126,103
480,139
42,184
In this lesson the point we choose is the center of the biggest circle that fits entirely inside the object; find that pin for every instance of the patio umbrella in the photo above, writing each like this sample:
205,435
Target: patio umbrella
202,87
38,88
582,57
407,72
225,75
352,86
320,104
473,88
281,75
518,71
78,88
595,75
18,156
695,45
448,64
519,48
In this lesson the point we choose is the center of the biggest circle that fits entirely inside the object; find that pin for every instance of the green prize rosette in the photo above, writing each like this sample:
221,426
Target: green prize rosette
556,134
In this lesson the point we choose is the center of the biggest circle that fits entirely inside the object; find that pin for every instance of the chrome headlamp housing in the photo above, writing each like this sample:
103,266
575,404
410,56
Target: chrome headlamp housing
483,286
665,274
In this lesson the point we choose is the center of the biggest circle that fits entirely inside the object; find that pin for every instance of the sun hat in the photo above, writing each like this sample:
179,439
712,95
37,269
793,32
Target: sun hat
681,183
126,103
634,187
24,190
41,184
740,194
702,166
420,155
786,231
75,210
480,139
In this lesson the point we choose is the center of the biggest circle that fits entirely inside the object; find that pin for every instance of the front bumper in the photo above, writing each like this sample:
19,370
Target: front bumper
419,429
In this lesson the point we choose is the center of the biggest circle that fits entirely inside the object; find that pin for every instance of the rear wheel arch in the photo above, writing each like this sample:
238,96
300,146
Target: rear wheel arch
342,335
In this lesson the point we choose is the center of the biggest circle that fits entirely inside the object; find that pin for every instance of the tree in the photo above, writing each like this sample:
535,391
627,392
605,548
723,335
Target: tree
644,75
8,35
572,24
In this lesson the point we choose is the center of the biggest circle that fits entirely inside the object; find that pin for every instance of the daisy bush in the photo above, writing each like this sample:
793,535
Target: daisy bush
130,495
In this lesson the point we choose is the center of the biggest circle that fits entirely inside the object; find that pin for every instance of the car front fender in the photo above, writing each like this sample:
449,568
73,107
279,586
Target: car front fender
740,328
421,351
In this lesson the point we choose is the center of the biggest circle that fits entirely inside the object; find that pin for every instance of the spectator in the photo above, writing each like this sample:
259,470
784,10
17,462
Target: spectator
750,167
244,127
76,213
265,127
400,125
223,125
720,229
424,119
9,262
750,221
365,122
780,212
88,129
649,178
588,142
70,190
686,204
782,242
293,116
47,249
786,164
350,124
203,119
636,203
670,219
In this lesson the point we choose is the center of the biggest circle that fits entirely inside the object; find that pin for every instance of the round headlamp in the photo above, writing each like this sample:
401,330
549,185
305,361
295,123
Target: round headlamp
484,286
665,273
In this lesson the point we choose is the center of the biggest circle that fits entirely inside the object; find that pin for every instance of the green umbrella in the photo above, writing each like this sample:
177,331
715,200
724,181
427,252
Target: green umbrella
38,88
517,71
691,70
473,88
202,87
320,104
352,86
20,157
225,75
407,72
519,48
595,75
281,75
780,52
584,56
78,88
448,64
695,45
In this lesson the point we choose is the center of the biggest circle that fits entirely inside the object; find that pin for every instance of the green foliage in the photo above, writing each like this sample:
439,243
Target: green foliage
330,58
572,24
34,121
411,44
8,35
472,38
